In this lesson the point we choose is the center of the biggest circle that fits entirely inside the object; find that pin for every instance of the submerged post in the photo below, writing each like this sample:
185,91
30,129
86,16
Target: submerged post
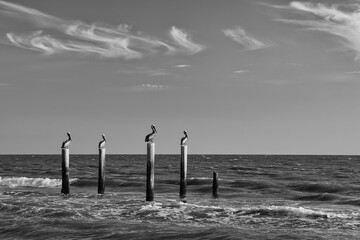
65,171
150,171
101,179
65,165
215,185
183,166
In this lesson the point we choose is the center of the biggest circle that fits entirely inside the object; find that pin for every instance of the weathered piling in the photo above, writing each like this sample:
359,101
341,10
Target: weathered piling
65,171
65,165
101,180
183,171
150,171
183,165
215,185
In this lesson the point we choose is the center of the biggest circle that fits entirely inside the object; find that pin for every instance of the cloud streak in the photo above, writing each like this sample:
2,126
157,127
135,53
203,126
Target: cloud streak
239,35
342,21
146,71
19,11
240,71
183,39
57,35
154,86
182,66
147,87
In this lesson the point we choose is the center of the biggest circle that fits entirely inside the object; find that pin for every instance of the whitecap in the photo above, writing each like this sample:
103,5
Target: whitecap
32,182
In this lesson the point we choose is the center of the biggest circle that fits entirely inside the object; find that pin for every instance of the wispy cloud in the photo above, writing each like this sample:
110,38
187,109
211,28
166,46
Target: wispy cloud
353,72
241,71
341,20
239,35
147,87
41,19
184,40
57,35
336,77
154,86
182,66
146,71
158,72
4,84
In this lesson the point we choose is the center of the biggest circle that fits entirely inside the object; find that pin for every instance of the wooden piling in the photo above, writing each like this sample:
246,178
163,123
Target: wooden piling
183,171
65,171
215,185
150,171
101,180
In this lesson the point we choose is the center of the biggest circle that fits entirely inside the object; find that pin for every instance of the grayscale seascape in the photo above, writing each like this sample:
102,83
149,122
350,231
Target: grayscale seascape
253,106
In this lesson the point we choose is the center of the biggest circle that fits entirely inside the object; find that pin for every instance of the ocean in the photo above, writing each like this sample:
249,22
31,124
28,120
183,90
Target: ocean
260,197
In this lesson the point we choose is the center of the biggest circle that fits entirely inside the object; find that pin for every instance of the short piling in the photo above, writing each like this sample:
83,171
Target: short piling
65,171
215,185
101,180
150,171
183,171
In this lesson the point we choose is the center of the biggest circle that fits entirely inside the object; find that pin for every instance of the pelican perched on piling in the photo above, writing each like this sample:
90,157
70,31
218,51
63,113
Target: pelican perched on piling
150,137
102,142
184,139
66,143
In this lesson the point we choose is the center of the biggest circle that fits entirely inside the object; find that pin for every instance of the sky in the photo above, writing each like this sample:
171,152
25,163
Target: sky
241,76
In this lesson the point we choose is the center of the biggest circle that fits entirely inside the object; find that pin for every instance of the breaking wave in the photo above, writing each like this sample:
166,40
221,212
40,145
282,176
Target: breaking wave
32,182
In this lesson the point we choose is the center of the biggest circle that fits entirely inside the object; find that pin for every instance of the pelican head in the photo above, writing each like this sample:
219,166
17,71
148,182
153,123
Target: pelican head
153,128
69,135
185,133
103,137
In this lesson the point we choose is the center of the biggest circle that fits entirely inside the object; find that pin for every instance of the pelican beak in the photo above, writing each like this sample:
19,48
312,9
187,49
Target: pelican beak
155,129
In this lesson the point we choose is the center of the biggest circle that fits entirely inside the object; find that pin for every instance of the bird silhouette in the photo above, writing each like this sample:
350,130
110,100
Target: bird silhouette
151,136
102,142
184,139
66,143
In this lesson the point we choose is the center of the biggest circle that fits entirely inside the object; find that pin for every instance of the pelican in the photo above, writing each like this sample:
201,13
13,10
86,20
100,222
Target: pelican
184,139
66,143
102,142
150,137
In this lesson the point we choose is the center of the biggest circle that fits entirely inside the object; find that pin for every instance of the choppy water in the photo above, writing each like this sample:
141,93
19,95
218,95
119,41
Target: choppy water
261,197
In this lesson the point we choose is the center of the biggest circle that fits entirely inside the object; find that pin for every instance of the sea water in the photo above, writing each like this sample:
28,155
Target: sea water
260,197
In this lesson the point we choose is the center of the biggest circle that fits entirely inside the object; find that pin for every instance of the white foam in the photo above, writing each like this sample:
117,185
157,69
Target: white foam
199,178
304,211
31,182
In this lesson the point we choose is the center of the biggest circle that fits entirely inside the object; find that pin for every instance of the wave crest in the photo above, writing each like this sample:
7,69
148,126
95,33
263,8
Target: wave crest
32,182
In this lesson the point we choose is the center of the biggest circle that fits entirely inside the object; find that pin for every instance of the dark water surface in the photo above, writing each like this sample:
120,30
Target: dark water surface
261,197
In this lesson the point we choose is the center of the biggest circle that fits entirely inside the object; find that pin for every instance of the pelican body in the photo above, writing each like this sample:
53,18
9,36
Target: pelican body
150,137
102,142
184,139
66,143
